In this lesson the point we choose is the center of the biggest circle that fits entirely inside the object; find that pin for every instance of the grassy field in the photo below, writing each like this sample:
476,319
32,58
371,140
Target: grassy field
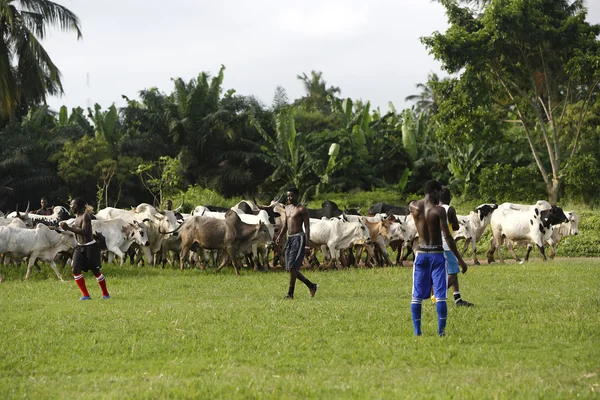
534,333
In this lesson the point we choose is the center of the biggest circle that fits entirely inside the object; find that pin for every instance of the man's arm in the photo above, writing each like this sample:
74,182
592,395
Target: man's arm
306,222
452,218
283,229
450,241
86,226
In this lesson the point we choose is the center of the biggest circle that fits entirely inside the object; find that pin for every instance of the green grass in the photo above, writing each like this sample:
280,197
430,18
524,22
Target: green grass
534,333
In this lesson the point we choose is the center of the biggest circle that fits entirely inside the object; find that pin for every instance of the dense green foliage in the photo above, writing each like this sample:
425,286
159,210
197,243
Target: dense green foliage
519,121
533,333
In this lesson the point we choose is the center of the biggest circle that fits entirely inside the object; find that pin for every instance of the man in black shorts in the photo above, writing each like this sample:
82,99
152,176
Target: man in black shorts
296,245
86,256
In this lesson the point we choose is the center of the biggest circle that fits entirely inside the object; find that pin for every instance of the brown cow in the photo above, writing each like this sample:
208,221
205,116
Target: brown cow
231,235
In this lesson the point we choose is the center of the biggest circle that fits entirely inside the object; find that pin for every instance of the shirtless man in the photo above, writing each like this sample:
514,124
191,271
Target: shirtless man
297,242
452,263
45,209
86,256
430,264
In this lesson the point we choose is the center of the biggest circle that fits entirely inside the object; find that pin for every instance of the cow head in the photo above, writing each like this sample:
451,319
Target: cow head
138,232
61,213
573,222
262,234
273,215
352,211
486,209
554,216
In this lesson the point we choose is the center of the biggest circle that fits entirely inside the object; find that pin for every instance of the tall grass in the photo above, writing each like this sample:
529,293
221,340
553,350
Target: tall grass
534,333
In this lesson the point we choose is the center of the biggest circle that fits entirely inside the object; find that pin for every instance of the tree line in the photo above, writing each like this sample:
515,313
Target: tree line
518,119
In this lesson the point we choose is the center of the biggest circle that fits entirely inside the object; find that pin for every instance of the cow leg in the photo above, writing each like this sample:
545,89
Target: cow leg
370,254
510,247
490,253
543,253
385,258
552,251
529,248
53,265
473,247
264,253
30,263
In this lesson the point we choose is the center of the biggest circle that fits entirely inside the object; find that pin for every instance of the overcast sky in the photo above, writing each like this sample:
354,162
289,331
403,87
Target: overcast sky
369,49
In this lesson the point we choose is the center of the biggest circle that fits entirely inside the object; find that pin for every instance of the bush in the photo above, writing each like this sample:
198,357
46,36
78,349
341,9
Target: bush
581,180
503,182
199,196
364,200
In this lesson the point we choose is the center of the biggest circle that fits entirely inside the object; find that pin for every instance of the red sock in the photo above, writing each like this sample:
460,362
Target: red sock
80,281
102,282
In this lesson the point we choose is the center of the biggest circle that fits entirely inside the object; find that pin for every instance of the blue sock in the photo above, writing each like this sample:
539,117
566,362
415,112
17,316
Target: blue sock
415,308
442,313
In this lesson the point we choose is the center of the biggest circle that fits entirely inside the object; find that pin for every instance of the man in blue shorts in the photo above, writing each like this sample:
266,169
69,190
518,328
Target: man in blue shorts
452,262
430,264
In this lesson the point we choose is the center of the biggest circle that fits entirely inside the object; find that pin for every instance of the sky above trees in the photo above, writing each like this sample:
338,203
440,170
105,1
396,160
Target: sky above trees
371,50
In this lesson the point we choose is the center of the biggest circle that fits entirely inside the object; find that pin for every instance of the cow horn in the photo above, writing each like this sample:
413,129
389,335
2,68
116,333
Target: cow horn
17,211
180,206
27,209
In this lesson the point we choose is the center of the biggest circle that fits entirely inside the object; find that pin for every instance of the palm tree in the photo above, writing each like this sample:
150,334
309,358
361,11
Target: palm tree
27,74
426,101
318,95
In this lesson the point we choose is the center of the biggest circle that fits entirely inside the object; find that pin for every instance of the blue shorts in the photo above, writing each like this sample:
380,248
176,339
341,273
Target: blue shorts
428,269
451,262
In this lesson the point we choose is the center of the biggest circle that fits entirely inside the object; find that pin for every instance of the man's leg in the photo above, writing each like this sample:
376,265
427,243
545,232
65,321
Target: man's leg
415,310
78,259
293,276
102,282
439,277
458,301
421,289
312,287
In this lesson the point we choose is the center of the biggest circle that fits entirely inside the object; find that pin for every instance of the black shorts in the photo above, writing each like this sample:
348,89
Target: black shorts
86,258
294,252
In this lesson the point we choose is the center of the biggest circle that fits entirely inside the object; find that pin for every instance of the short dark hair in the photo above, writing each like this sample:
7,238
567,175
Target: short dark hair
294,190
445,195
432,186
79,202
44,198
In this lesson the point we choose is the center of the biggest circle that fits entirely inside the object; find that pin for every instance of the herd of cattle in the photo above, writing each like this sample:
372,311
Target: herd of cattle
248,231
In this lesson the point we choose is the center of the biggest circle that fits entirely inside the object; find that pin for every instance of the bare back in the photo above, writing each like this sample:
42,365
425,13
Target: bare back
430,221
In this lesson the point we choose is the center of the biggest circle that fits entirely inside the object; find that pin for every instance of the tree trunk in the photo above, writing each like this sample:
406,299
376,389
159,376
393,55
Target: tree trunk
553,190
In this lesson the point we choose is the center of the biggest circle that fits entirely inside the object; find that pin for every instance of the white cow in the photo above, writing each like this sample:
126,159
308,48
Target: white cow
40,243
521,224
157,222
408,234
59,213
473,226
568,228
120,235
337,235
381,232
